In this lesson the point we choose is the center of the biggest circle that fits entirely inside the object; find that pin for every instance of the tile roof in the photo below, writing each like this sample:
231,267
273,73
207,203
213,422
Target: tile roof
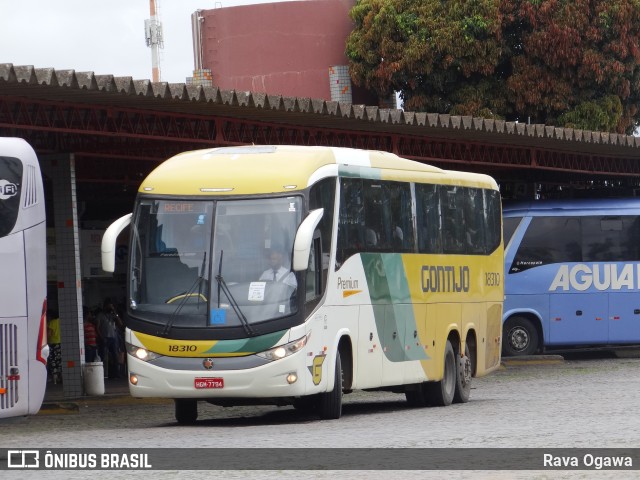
86,87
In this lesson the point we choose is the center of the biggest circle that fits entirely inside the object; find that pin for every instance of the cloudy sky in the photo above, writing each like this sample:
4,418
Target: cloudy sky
105,37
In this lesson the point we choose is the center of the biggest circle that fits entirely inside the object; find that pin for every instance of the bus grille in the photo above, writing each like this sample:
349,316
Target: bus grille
30,187
8,361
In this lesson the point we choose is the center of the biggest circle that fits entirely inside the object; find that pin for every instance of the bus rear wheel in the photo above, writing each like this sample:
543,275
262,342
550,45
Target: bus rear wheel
330,403
186,411
520,337
464,373
441,393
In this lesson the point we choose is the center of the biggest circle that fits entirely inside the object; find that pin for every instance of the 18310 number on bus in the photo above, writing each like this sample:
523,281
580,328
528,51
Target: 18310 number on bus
182,348
492,279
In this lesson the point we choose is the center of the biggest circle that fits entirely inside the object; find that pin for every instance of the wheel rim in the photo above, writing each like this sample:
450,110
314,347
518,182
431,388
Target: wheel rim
519,338
464,369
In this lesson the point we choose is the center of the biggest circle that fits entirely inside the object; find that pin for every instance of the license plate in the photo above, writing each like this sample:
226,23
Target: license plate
209,383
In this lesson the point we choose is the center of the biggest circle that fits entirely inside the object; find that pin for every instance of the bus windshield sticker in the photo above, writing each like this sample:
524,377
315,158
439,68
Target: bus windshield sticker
218,316
256,291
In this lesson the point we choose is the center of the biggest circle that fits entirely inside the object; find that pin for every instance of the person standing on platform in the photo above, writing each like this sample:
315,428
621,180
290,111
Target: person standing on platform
90,336
107,320
54,362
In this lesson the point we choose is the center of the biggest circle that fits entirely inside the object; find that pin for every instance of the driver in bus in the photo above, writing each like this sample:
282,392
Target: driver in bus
278,272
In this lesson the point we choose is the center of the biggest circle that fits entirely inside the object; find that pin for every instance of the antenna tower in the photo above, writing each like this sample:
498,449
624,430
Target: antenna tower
153,37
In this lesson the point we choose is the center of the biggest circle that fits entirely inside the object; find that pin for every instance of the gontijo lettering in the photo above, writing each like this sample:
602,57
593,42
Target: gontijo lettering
607,276
445,278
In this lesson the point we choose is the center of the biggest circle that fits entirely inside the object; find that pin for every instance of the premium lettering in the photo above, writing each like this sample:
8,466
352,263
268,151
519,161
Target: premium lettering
347,283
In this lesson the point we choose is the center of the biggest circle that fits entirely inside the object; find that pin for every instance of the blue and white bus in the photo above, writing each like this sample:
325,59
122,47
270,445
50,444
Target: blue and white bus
23,301
572,272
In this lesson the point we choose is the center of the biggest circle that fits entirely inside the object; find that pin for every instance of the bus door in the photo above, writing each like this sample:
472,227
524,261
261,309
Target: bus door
368,351
578,318
624,317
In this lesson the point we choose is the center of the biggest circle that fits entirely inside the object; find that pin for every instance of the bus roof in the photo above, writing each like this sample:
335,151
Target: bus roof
572,207
272,169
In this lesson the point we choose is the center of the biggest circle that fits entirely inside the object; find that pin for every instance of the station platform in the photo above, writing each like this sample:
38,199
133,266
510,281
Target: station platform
112,387
116,393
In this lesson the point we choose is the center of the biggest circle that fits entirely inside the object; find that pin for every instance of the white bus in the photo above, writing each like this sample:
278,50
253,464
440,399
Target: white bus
23,303
292,275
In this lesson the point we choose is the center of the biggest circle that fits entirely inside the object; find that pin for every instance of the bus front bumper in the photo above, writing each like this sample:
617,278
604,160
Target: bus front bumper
281,378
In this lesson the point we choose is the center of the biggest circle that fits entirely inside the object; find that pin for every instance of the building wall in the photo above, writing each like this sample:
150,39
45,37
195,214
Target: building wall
281,48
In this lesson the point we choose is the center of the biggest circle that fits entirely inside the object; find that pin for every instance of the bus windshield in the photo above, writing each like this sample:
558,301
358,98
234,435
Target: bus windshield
215,264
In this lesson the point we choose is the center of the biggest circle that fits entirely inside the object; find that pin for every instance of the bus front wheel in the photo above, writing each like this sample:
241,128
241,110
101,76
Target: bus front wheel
520,337
186,411
330,403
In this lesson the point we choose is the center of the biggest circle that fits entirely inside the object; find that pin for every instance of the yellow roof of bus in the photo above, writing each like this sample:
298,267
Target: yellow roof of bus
271,169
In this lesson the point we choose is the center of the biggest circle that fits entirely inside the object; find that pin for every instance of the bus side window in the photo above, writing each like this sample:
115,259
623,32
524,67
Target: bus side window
473,214
376,211
323,195
11,171
510,226
601,239
493,224
314,274
351,220
451,198
549,240
400,225
429,217
631,237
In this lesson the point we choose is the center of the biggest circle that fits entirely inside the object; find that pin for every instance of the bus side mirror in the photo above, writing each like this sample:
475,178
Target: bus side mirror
108,247
304,237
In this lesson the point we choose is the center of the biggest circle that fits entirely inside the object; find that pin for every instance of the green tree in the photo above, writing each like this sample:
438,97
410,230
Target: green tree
428,50
569,58
557,62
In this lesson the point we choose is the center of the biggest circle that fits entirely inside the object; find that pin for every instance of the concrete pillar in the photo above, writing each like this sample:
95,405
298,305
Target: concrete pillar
340,83
61,170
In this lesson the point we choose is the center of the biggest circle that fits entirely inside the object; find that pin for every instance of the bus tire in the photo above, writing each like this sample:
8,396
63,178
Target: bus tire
186,411
441,393
520,337
330,403
464,374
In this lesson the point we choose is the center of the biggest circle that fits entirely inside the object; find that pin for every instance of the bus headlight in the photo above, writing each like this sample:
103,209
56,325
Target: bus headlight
281,351
141,353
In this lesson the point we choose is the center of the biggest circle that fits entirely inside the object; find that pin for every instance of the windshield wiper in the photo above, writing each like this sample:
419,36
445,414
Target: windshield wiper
186,295
236,308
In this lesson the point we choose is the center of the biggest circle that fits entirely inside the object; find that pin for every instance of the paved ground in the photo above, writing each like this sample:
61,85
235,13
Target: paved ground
586,401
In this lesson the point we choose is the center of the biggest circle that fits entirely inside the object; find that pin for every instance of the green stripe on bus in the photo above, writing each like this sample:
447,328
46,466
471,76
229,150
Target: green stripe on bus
247,345
392,307
352,171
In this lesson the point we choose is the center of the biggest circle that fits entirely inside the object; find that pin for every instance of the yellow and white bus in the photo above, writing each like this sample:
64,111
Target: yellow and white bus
388,276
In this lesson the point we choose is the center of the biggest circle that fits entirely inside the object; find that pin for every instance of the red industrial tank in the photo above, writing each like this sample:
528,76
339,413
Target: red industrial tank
284,48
